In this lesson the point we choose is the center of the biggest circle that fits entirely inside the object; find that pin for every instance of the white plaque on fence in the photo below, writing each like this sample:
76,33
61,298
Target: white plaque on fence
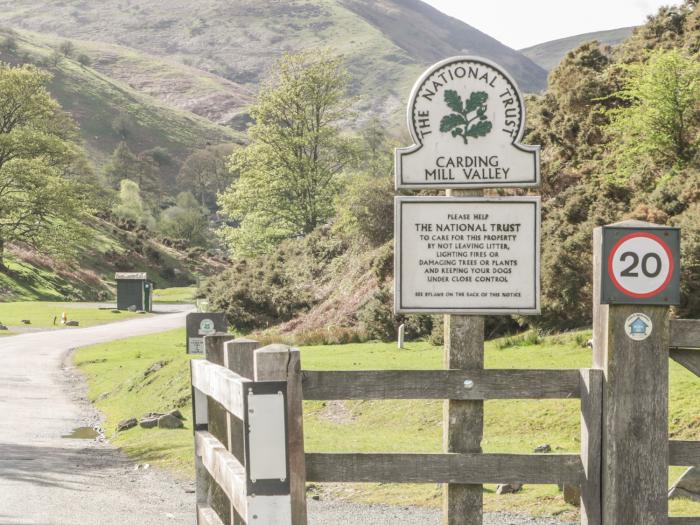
467,255
466,117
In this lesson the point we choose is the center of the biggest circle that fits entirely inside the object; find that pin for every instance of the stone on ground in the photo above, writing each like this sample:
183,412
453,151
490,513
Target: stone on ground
688,486
126,424
168,421
509,488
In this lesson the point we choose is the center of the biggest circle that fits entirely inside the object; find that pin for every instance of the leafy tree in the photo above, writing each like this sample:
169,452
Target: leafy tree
660,120
123,165
366,208
9,44
205,174
43,172
123,125
67,48
186,221
143,169
377,149
288,174
84,60
55,58
131,206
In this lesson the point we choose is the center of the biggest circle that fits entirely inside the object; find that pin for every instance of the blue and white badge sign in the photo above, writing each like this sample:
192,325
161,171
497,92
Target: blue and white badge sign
466,116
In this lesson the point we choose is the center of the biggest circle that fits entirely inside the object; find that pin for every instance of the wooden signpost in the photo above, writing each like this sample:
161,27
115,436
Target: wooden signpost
636,269
466,255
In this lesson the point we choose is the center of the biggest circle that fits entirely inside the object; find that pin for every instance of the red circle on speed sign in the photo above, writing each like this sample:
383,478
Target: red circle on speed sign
640,265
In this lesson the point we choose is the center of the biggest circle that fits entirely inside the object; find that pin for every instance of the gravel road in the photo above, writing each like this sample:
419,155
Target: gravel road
336,513
48,480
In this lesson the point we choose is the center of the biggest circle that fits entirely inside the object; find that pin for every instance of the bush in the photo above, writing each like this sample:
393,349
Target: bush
366,209
377,316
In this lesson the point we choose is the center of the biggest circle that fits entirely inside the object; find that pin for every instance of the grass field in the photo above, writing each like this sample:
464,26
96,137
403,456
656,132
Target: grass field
120,388
183,294
42,314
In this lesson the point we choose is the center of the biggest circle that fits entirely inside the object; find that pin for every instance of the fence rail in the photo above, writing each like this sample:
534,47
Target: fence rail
445,468
466,468
685,333
442,384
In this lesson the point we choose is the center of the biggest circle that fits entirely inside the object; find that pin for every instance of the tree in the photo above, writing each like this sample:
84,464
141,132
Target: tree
67,48
130,205
123,165
55,58
288,174
660,120
84,60
43,172
123,125
186,221
205,174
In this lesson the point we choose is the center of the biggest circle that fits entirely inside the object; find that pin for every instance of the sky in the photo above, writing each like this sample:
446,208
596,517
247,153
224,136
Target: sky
523,23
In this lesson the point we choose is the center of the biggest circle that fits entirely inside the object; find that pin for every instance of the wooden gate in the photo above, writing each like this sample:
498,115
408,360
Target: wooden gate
252,469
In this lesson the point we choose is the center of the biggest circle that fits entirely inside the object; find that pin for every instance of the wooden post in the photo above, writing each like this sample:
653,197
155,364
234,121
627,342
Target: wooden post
463,421
591,435
220,427
281,363
635,408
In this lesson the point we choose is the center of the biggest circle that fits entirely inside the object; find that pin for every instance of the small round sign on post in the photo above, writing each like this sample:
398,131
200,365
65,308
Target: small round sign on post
638,326
641,266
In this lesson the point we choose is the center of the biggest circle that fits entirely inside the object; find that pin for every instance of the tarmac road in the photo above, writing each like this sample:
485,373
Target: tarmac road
48,480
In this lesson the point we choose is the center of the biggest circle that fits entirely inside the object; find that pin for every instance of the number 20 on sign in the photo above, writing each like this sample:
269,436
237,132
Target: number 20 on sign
641,265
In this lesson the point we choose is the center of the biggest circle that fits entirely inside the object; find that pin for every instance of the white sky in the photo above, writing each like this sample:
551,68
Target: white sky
523,23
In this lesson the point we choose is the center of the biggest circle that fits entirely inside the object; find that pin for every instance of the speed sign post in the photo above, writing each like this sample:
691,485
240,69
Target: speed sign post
640,264
636,281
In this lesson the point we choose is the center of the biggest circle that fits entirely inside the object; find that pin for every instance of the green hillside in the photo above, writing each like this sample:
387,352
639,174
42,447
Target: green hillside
548,54
95,100
387,43
33,276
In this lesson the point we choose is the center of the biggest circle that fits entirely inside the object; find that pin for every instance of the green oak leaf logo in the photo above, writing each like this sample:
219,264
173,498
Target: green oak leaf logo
469,117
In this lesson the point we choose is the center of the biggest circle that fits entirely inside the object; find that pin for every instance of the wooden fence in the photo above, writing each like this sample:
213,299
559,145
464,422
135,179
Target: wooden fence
248,439
684,348
233,488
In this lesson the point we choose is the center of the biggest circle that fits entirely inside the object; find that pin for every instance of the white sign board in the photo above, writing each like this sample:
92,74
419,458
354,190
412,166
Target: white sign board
466,116
196,345
467,255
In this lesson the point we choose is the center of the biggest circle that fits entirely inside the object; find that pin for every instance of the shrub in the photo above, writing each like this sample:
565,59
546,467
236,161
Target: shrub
366,209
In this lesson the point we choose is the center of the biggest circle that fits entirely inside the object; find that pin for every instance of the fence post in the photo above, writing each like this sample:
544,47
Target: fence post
635,406
591,436
219,426
281,363
463,421
237,355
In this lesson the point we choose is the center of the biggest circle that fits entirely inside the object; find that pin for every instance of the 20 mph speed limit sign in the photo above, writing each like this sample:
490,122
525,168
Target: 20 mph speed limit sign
640,265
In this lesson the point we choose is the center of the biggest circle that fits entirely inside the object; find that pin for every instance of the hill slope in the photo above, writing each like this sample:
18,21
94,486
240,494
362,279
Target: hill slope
387,42
35,276
548,54
95,100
